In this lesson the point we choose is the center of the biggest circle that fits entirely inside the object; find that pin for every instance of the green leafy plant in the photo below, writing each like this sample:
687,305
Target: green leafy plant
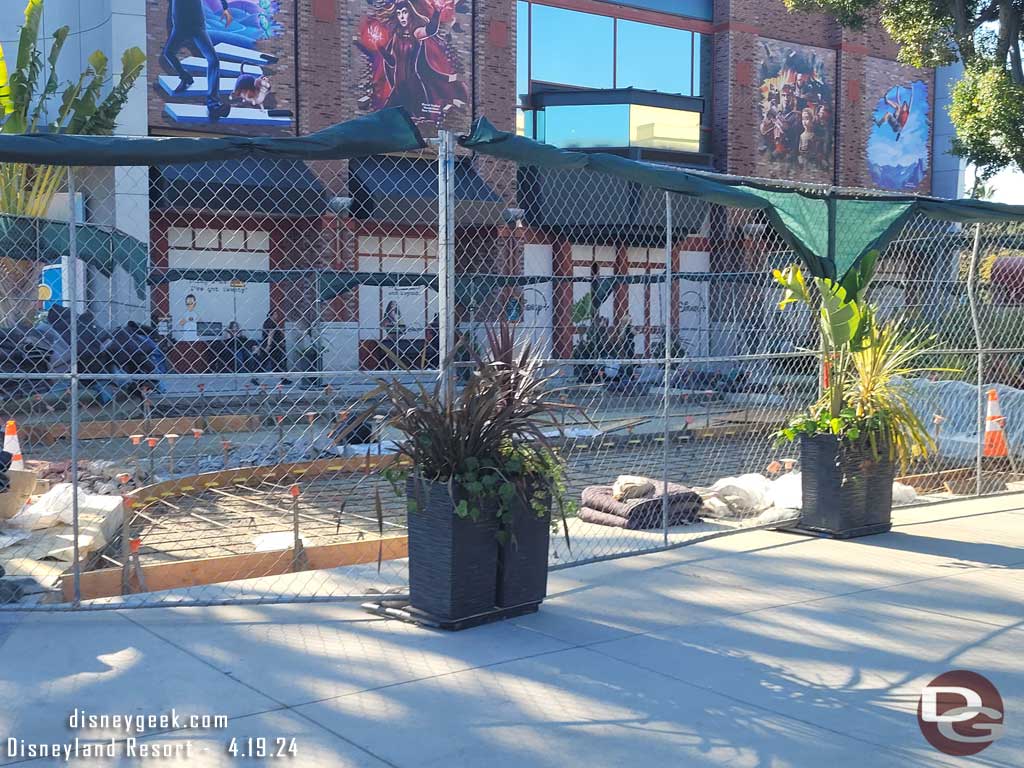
29,104
28,190
866,364
490,442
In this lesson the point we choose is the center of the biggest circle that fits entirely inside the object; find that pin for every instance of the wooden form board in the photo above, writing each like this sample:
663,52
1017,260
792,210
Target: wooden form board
107,582
105,430
241,475
935,481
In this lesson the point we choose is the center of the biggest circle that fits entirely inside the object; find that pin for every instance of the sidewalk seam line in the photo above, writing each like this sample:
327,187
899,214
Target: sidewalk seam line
281,705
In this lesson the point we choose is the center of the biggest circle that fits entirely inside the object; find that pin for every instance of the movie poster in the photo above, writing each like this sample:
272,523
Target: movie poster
417,56
897,151
221,66
797,102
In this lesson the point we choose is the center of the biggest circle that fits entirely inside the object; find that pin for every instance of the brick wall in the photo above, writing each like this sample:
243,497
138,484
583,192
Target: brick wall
495,62
863,66
325,64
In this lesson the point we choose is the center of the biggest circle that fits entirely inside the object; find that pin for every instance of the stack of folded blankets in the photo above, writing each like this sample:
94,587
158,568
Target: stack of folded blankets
601,506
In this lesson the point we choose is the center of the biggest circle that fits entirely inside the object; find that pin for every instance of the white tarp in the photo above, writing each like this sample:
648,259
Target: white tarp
957,403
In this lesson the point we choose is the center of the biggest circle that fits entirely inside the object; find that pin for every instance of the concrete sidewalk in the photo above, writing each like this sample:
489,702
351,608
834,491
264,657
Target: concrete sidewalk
760,649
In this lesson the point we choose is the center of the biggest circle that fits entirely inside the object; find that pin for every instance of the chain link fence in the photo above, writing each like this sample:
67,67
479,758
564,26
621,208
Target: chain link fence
184,349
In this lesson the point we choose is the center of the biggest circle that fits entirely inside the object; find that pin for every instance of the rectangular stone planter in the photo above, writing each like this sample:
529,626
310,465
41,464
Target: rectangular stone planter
847,491
452,560
523,558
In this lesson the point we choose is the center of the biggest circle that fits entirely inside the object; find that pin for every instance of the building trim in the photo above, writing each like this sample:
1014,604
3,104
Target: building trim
628,13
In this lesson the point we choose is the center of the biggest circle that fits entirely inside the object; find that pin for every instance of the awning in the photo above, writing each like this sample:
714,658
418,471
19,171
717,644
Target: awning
567,200
829,231
258,185
404,190
43,240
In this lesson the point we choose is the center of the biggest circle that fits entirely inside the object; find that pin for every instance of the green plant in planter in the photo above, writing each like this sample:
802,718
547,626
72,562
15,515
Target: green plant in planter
491,439
866,362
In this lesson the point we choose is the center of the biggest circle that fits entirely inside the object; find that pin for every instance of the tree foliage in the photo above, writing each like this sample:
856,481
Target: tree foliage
31,104
986,35
27,106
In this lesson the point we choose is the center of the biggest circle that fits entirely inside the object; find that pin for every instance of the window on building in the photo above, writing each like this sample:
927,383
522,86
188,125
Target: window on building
571,48
562,49
654,58
620,125
590,125
698,9
658,128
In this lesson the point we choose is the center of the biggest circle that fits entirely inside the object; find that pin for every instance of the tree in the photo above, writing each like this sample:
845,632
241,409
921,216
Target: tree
26,190
987,107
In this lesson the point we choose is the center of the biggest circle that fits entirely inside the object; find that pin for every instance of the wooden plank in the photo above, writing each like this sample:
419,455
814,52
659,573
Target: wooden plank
935,481
305,470
106,430
106,582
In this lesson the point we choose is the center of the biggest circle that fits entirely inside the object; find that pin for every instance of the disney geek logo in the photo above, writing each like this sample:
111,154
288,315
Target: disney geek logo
960,713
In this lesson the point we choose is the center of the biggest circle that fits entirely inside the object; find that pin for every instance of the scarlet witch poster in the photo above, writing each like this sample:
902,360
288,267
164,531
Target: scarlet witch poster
412,58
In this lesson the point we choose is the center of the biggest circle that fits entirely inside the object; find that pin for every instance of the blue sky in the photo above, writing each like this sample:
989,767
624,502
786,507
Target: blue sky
1007,185
883,149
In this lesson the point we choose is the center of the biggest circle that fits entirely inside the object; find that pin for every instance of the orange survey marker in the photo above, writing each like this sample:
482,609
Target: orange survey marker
995,437
12,446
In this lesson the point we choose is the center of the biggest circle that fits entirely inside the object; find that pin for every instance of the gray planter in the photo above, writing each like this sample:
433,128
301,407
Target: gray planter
452,560
523,558
847,491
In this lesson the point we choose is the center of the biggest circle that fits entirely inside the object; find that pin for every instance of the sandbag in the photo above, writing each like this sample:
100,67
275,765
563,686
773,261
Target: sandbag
628,487
903,494
50,509
787,491
742,496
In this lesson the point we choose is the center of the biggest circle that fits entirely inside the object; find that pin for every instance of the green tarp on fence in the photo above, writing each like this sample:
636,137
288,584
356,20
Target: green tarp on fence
389,130
829,231
46,241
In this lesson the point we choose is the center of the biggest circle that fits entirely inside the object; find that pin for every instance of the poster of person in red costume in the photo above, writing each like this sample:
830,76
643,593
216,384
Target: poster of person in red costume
411,50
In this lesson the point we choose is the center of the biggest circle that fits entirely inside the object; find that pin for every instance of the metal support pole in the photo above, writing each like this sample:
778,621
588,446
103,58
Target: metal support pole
73,296
445,258
666,318
973,302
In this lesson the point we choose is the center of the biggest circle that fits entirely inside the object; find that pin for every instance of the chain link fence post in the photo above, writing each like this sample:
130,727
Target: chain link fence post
446,258
666,319
73,289
975,323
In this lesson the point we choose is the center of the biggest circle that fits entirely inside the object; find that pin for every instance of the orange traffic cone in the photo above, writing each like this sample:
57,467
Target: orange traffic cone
12,446
995,437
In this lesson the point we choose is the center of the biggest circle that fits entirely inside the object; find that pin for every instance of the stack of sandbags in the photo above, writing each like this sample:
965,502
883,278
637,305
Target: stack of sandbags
49,520
638,505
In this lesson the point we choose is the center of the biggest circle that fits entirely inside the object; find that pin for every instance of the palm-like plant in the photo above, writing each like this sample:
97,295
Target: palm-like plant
875,387
28,190
866,362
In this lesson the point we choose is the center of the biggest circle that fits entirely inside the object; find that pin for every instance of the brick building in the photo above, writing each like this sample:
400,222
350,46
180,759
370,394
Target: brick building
737,86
